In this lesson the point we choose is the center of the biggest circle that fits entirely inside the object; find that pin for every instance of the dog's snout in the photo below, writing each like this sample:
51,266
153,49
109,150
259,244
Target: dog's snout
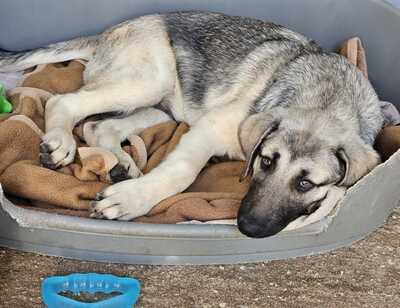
256,228
249,227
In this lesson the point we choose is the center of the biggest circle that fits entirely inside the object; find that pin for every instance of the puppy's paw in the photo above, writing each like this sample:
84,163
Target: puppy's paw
123,201
57,149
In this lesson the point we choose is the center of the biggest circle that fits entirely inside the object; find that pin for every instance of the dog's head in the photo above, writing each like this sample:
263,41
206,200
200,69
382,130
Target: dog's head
294,158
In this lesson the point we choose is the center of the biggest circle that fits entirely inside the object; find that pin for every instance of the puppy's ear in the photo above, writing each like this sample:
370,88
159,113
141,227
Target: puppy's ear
357,160
252,132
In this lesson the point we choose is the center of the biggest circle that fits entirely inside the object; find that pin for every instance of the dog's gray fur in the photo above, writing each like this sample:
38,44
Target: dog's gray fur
304,119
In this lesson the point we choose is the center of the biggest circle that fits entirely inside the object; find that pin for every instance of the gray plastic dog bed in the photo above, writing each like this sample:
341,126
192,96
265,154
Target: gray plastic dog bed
364,208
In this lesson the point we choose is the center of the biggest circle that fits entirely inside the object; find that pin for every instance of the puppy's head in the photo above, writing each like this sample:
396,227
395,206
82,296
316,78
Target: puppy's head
294,159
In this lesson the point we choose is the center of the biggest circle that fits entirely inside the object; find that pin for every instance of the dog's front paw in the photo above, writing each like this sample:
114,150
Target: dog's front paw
57,149
123,201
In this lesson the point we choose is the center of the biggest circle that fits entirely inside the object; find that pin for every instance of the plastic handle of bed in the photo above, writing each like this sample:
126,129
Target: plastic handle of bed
91,283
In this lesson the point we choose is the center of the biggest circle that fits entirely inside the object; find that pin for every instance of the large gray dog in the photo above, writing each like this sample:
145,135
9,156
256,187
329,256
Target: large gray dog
304,119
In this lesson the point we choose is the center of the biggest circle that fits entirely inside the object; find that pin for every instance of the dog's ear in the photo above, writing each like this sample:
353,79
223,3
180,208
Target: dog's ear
356,159
252,133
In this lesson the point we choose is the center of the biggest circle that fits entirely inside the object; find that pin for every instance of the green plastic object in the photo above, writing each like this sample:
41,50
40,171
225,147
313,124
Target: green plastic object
5,105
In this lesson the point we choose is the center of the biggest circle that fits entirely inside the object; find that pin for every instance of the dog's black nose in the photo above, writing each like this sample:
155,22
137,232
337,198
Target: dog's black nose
249,227
255,228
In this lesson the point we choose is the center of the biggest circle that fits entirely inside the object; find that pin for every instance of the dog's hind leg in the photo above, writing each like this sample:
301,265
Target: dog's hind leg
110,133
132,66
63,112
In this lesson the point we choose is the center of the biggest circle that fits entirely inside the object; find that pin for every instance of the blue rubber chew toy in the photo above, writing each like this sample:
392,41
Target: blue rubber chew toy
90,283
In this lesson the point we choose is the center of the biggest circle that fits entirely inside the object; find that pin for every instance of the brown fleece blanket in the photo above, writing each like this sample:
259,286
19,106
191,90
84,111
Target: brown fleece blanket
215,195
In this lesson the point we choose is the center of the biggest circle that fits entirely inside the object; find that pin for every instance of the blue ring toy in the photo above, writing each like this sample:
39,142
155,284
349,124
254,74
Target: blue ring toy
91,283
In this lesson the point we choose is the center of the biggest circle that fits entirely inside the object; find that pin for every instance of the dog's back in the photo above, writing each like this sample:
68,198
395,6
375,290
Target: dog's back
213,50
220,59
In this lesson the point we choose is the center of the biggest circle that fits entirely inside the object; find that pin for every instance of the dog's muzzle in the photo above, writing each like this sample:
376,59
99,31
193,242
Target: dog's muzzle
260,218
258,227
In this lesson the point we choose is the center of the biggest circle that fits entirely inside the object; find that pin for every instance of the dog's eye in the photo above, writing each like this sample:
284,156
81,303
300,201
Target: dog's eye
304,186
266,163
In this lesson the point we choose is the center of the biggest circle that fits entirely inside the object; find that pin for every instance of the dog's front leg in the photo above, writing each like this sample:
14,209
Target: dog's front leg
132,198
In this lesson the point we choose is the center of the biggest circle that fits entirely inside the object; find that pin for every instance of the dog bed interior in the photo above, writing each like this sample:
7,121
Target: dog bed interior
364,207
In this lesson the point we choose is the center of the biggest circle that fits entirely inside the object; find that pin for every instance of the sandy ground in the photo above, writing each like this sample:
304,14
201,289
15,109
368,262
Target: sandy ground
364,275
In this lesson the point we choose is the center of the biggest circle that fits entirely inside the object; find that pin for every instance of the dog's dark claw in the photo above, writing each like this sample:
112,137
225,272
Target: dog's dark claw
98,197
119,174
93,211
45,157
44,148
46,161
50,166
92,205
95,215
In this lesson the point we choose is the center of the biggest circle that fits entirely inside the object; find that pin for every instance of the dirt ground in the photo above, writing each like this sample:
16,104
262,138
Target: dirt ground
364,275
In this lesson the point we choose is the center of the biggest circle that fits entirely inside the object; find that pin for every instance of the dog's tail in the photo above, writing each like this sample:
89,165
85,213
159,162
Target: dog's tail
80,48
